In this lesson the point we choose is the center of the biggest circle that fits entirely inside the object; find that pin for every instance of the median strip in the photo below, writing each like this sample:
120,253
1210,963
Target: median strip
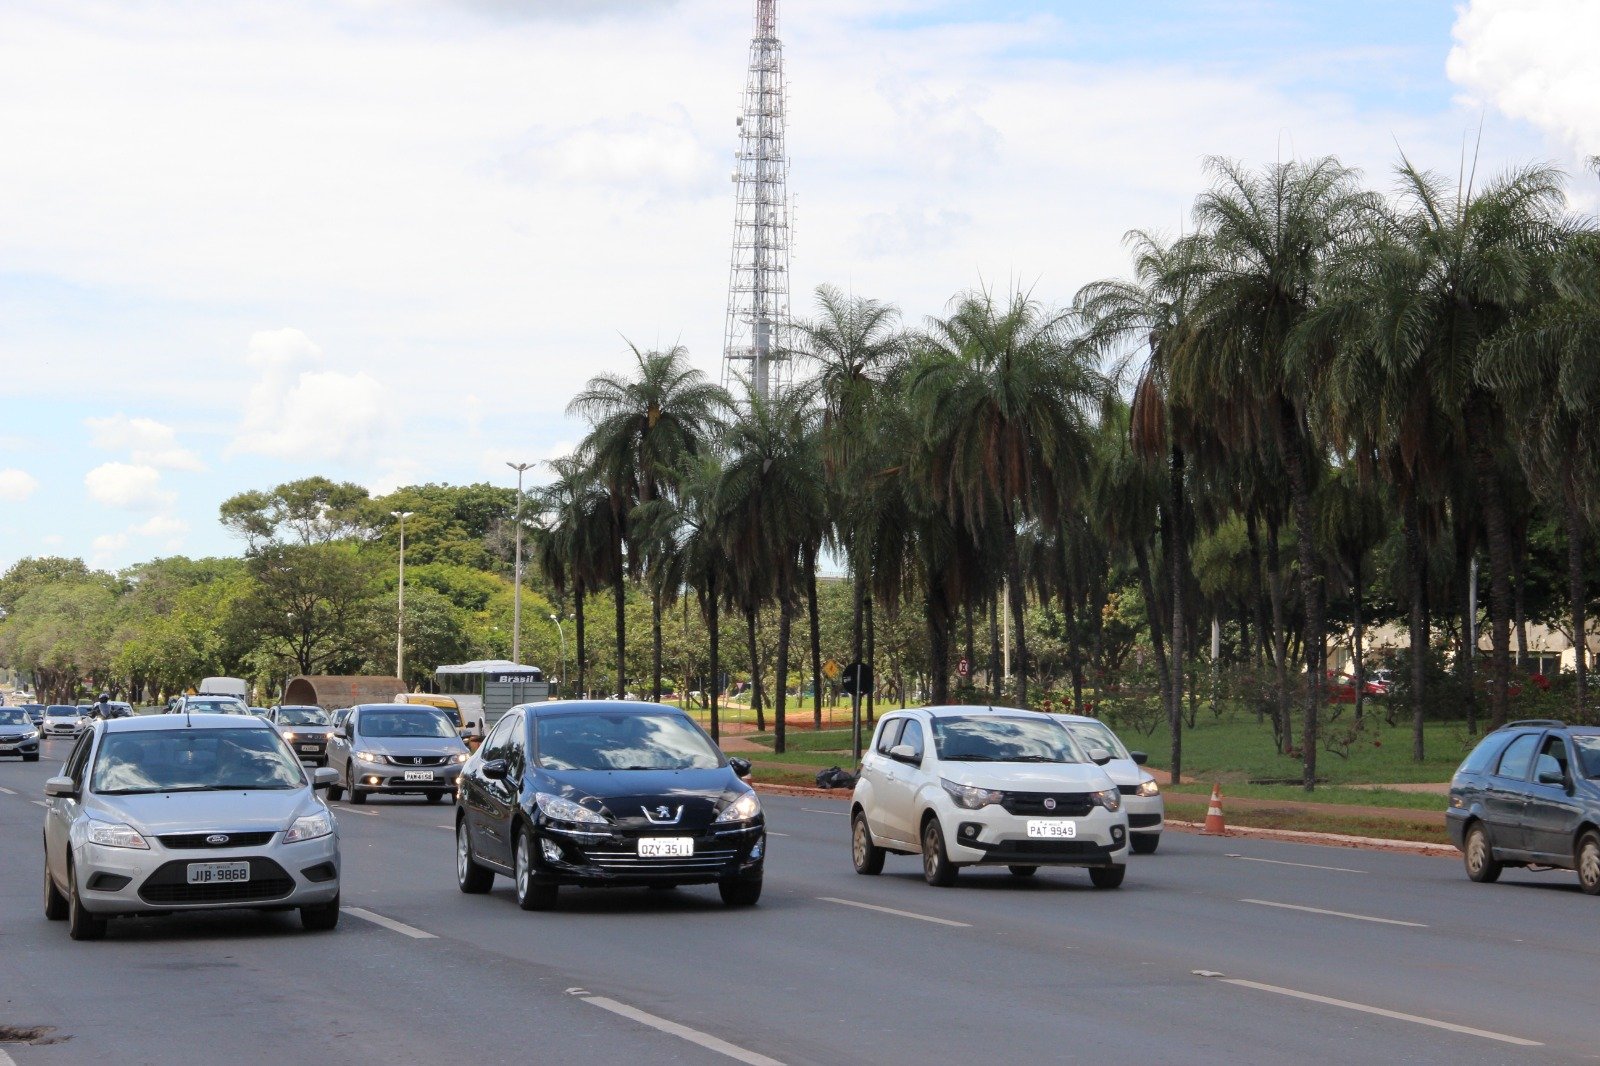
389,923
672,1028
1334,914
891,910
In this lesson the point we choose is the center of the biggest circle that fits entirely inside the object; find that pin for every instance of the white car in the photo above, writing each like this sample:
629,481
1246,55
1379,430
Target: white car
61,719
1141,796
967,786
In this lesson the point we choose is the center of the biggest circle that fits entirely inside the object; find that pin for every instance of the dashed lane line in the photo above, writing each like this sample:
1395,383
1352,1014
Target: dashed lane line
8,792
891,910
369,814
389,923
1381,1012
672,1028
813,810
1302,865
1334,914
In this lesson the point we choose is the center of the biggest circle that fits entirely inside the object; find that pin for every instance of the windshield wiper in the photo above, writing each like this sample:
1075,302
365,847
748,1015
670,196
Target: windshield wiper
1034,758
150,791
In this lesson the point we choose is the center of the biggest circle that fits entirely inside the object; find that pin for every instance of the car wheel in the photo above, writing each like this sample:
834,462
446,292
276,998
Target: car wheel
81,925
867,855
531,896
357,796
30,758
1107,876
1587,862
435,797
740,893
1023,871
937,869
1144,843
1479,857
470,877
335,790
320,917
55,904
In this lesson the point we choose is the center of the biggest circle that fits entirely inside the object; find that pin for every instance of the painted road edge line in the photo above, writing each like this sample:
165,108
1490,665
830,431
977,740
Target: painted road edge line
389,923
1382,1012
813,810
1334,914
8,792
891,910
1302,865
672,1028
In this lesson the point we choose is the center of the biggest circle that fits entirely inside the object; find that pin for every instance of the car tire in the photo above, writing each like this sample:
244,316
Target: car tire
1144,843
357,796
55,904
531,895
868,857
81,925
30,758
1023,871
1108,876
1586,860
937,869
740,893
1478,856
320,917
335,790
435,797
471,878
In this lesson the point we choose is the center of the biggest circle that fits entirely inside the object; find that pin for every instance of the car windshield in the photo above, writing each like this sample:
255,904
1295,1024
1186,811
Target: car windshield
8,716
1588,753
602,740
403,724
221,706
193,760
1000,739
301,716
62,712
1098,735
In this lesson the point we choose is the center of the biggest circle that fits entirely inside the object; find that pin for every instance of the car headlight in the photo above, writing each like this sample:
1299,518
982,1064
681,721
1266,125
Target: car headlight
288,736
1110,799
742,809
463,756
1149,788
309,827
970,797
564,810
372,757
116,835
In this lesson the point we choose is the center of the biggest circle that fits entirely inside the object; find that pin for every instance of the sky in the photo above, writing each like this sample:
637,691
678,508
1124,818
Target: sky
385,241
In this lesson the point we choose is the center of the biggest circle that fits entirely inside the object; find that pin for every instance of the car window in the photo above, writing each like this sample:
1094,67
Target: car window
1483,756
618,740
516,747
1003,738
427,723
1588,751
1518,757
1552,756
8,716
494,747
889,734
912,736
1097,735
194,760
79,756
301,716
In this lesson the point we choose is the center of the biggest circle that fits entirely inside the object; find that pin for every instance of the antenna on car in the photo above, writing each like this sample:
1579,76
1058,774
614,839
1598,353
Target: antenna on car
188,724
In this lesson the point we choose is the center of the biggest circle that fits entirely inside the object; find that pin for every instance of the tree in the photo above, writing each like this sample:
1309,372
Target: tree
311,606
576,528
313,510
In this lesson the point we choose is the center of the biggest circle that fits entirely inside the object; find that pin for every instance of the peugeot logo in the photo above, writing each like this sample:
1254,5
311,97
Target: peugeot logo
1049,803
662,815
217,838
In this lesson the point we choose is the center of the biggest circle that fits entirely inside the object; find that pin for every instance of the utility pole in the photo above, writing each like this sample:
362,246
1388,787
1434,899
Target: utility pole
516,593
400,621
563,633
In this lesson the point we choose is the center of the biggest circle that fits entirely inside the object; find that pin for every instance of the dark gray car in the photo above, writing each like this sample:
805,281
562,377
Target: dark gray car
396,748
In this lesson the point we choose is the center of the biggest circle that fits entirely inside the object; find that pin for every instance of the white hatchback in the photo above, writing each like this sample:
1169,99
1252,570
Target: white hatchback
1141,795
966,786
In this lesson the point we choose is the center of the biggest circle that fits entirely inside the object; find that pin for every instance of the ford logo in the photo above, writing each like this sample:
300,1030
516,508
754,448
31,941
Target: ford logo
217,838
1049,803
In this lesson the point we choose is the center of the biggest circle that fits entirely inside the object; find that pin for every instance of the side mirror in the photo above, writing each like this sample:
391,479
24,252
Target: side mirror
1546,777
344,731
741,765
60,786
1100,756
903,753
323,776
1139,758
495,769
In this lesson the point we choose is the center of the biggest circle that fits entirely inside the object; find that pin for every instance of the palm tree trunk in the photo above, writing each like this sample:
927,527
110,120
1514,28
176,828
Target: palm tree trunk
1467,644
872,659
1152,613
816,638
1494,514
1575,588
995,680
577,611
780,695
1175,565
1018,593
1355,634
1280,637
1069,604
936,611
966,610
713,639
859,593
619,590
655,645
1417,571
1310,584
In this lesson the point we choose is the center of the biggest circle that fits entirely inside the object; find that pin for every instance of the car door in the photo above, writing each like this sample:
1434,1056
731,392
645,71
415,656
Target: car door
490,802
340,746
900,790
1553,811
61,811
1505,797
879,771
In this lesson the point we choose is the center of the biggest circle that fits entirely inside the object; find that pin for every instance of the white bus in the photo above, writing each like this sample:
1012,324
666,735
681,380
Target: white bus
486,689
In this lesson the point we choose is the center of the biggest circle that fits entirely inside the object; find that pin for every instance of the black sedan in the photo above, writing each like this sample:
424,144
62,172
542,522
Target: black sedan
604,793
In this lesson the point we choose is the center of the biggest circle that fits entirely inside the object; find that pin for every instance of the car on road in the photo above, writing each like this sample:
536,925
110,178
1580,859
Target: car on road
307,729
1529,795
604,793
966,786
35,712
259,712
151,815
18,735
210,705
61,719
1141,795
395,749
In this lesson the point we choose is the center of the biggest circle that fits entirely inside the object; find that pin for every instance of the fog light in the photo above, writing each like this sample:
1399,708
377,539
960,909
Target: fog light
1116,834
552,850
970,830
760,846
374,780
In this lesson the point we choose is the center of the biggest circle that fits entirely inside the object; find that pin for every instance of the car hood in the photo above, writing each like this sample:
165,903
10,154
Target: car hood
191,812
1125,772
307,730
627,794
1028,777
409,745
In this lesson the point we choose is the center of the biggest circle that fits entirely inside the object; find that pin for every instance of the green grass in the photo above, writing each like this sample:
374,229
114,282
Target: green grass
1354,797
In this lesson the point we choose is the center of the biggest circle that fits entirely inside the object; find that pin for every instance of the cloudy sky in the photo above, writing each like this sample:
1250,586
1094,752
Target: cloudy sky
385,240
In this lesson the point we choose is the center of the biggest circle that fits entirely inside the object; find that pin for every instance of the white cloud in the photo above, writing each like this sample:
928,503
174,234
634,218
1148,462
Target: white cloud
295,412
1534,60
16,485
109,544
127,486
147,441
52,540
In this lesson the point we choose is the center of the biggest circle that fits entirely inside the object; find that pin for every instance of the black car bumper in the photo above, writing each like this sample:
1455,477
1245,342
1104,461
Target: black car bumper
573,856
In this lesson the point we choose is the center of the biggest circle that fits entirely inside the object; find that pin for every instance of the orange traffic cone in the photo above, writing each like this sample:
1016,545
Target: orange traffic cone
1215,826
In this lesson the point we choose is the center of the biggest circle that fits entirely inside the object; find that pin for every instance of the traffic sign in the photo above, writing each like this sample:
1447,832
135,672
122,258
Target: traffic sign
831,669
856,679
963,667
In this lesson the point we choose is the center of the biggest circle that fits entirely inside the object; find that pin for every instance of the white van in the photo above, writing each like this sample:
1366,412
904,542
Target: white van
236,687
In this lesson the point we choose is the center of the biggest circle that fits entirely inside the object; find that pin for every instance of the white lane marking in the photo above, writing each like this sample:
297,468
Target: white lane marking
7,791
1381,1012
891,910
41,803
1302,865
389,923
672,1028
1335,914
370,814
770,833
6,1060
813,810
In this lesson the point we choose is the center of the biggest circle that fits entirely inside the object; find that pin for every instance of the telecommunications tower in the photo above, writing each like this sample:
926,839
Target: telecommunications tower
755,342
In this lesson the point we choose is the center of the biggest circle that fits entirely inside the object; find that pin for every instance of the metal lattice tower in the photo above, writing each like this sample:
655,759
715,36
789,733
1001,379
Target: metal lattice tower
755,348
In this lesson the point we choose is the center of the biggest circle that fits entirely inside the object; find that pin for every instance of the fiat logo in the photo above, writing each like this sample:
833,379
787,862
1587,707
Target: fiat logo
217,838
1049,803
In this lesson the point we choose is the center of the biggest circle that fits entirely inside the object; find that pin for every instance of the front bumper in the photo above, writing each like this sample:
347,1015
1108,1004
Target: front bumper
312,748
589,855
1146,814
381,777
54,729
995,836
129,881
23,746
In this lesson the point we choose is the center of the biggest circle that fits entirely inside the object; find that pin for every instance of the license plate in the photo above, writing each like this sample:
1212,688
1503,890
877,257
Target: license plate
218,873
419,775
666,847
310,747
1052,829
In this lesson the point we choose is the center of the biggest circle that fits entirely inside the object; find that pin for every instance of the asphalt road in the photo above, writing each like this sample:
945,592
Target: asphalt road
1214,950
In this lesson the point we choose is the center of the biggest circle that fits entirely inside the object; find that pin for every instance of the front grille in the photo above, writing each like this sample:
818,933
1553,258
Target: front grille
1047,848
170,884
1067,804
10,740
703,859
419,760
1128,790
1141,821
198,841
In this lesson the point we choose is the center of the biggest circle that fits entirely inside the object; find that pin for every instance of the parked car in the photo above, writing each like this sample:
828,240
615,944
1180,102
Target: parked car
1529,795
150,815
396,749
61,719
1141,796
18,735
966,786
607,793
307,730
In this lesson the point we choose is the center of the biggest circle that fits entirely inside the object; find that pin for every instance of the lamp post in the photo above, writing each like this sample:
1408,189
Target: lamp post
400,619
516,593
557,620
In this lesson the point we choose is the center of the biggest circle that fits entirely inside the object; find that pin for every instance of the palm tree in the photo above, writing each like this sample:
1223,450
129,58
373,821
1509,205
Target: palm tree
642,429
575,531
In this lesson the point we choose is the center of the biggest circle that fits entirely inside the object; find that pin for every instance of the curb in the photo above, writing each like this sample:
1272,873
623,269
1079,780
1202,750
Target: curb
1332,840
839,794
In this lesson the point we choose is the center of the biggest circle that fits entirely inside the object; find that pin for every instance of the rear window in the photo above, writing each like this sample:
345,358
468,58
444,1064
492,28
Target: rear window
1483,756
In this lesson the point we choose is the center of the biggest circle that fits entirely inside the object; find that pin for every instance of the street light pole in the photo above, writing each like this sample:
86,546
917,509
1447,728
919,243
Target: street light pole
516,593
557,620
400,618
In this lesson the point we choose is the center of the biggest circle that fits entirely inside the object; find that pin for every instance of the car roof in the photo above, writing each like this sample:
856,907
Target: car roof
609,706
970,710
418,708
156,722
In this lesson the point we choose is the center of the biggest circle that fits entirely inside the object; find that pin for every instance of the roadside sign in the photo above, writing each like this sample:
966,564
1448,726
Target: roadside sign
856,679
831,669
963,667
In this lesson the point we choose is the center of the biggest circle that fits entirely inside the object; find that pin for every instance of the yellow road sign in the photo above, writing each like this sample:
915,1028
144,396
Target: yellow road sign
831,669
